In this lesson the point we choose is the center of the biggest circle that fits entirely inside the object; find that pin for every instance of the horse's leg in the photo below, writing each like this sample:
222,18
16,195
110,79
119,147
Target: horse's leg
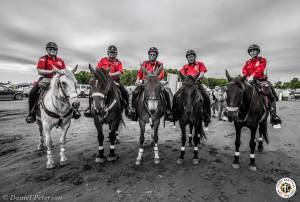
190,136
196,142
156,156
112,136
142,139
47,132
41,145
262,130
62,140
236,162
117,136
100,156
183,140
252,145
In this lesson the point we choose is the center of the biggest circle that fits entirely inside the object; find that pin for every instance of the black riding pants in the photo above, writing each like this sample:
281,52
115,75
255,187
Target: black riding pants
33,97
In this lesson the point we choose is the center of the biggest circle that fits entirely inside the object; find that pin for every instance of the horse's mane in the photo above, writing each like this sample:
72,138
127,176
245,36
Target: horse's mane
54,80
189,80
239,81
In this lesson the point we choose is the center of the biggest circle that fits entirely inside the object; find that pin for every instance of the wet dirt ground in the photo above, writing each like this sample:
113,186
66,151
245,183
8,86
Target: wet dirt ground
23,169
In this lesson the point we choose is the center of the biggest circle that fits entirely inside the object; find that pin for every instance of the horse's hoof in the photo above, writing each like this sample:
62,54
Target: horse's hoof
236,166
156,161
179,161
252,168
41,147
111,158
63,163
117,141
189,144
138,162
195,161
99,160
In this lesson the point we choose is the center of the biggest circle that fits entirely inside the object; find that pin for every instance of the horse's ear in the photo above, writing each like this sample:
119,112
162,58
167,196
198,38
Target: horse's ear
182,77
243,79
75,69
92,70
228,76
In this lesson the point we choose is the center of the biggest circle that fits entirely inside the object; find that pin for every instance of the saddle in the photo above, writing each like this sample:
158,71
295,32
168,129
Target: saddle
263,89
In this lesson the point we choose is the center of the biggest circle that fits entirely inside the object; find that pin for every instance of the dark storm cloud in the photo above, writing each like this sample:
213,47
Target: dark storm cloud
219,31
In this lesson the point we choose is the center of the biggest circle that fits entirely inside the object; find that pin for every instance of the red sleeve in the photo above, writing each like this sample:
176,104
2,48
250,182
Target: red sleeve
41,63
140,74
119,67
245,69
100,63
202,67
183,71
259,72
162,74
63,66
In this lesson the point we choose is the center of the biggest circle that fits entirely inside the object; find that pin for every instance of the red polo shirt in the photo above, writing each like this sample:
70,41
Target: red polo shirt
46,62
193,69
106,63
151,67
255,66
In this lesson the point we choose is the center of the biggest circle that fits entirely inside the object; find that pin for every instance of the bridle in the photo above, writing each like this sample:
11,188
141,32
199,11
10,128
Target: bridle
237,109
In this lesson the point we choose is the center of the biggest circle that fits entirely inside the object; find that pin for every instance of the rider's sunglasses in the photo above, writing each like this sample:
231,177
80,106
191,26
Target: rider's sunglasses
52,49
152,54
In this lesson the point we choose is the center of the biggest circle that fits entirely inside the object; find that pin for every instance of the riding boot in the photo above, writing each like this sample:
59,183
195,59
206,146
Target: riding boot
168,115
32,99
207,110
88,112
274,92
274,119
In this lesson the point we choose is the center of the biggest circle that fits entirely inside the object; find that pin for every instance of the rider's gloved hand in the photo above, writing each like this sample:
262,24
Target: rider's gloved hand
138,82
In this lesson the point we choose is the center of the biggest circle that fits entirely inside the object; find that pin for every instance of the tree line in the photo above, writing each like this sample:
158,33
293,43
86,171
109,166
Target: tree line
129,77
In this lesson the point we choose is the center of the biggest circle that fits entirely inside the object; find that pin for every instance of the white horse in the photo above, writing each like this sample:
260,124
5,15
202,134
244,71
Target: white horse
56,110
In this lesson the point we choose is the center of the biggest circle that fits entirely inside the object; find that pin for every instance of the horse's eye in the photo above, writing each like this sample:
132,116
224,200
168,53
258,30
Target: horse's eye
63,83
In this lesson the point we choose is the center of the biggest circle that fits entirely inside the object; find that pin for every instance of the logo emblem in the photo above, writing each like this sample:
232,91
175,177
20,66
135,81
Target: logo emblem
286,188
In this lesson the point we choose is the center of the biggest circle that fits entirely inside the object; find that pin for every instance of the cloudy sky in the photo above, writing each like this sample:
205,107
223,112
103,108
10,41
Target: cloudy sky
219,31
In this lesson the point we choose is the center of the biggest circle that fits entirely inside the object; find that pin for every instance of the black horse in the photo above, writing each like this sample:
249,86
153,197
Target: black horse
247,109
150,108
107,109
188,106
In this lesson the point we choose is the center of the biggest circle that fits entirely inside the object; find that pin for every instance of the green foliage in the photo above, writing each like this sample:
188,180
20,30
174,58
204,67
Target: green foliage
128,77
293,84
83,77
212,82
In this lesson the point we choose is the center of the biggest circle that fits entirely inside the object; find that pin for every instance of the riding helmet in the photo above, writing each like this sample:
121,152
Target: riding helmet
51,45
153,49
112,49
190,52
253,47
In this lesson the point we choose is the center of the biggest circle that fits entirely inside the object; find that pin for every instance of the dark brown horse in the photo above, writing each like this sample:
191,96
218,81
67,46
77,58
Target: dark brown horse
246,108
107,109
189,108
150,108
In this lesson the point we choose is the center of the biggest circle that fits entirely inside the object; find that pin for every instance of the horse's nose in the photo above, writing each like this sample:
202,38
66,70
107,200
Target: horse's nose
152,111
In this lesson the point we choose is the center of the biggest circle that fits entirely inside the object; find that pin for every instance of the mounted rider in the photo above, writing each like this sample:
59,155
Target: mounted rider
150,66
116,70
196,69
47,66
254,69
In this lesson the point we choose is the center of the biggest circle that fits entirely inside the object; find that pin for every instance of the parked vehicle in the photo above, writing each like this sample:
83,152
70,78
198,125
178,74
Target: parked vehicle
10,94
83,90
297,93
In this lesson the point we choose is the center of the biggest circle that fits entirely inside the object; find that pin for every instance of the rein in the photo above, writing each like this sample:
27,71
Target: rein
53,114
